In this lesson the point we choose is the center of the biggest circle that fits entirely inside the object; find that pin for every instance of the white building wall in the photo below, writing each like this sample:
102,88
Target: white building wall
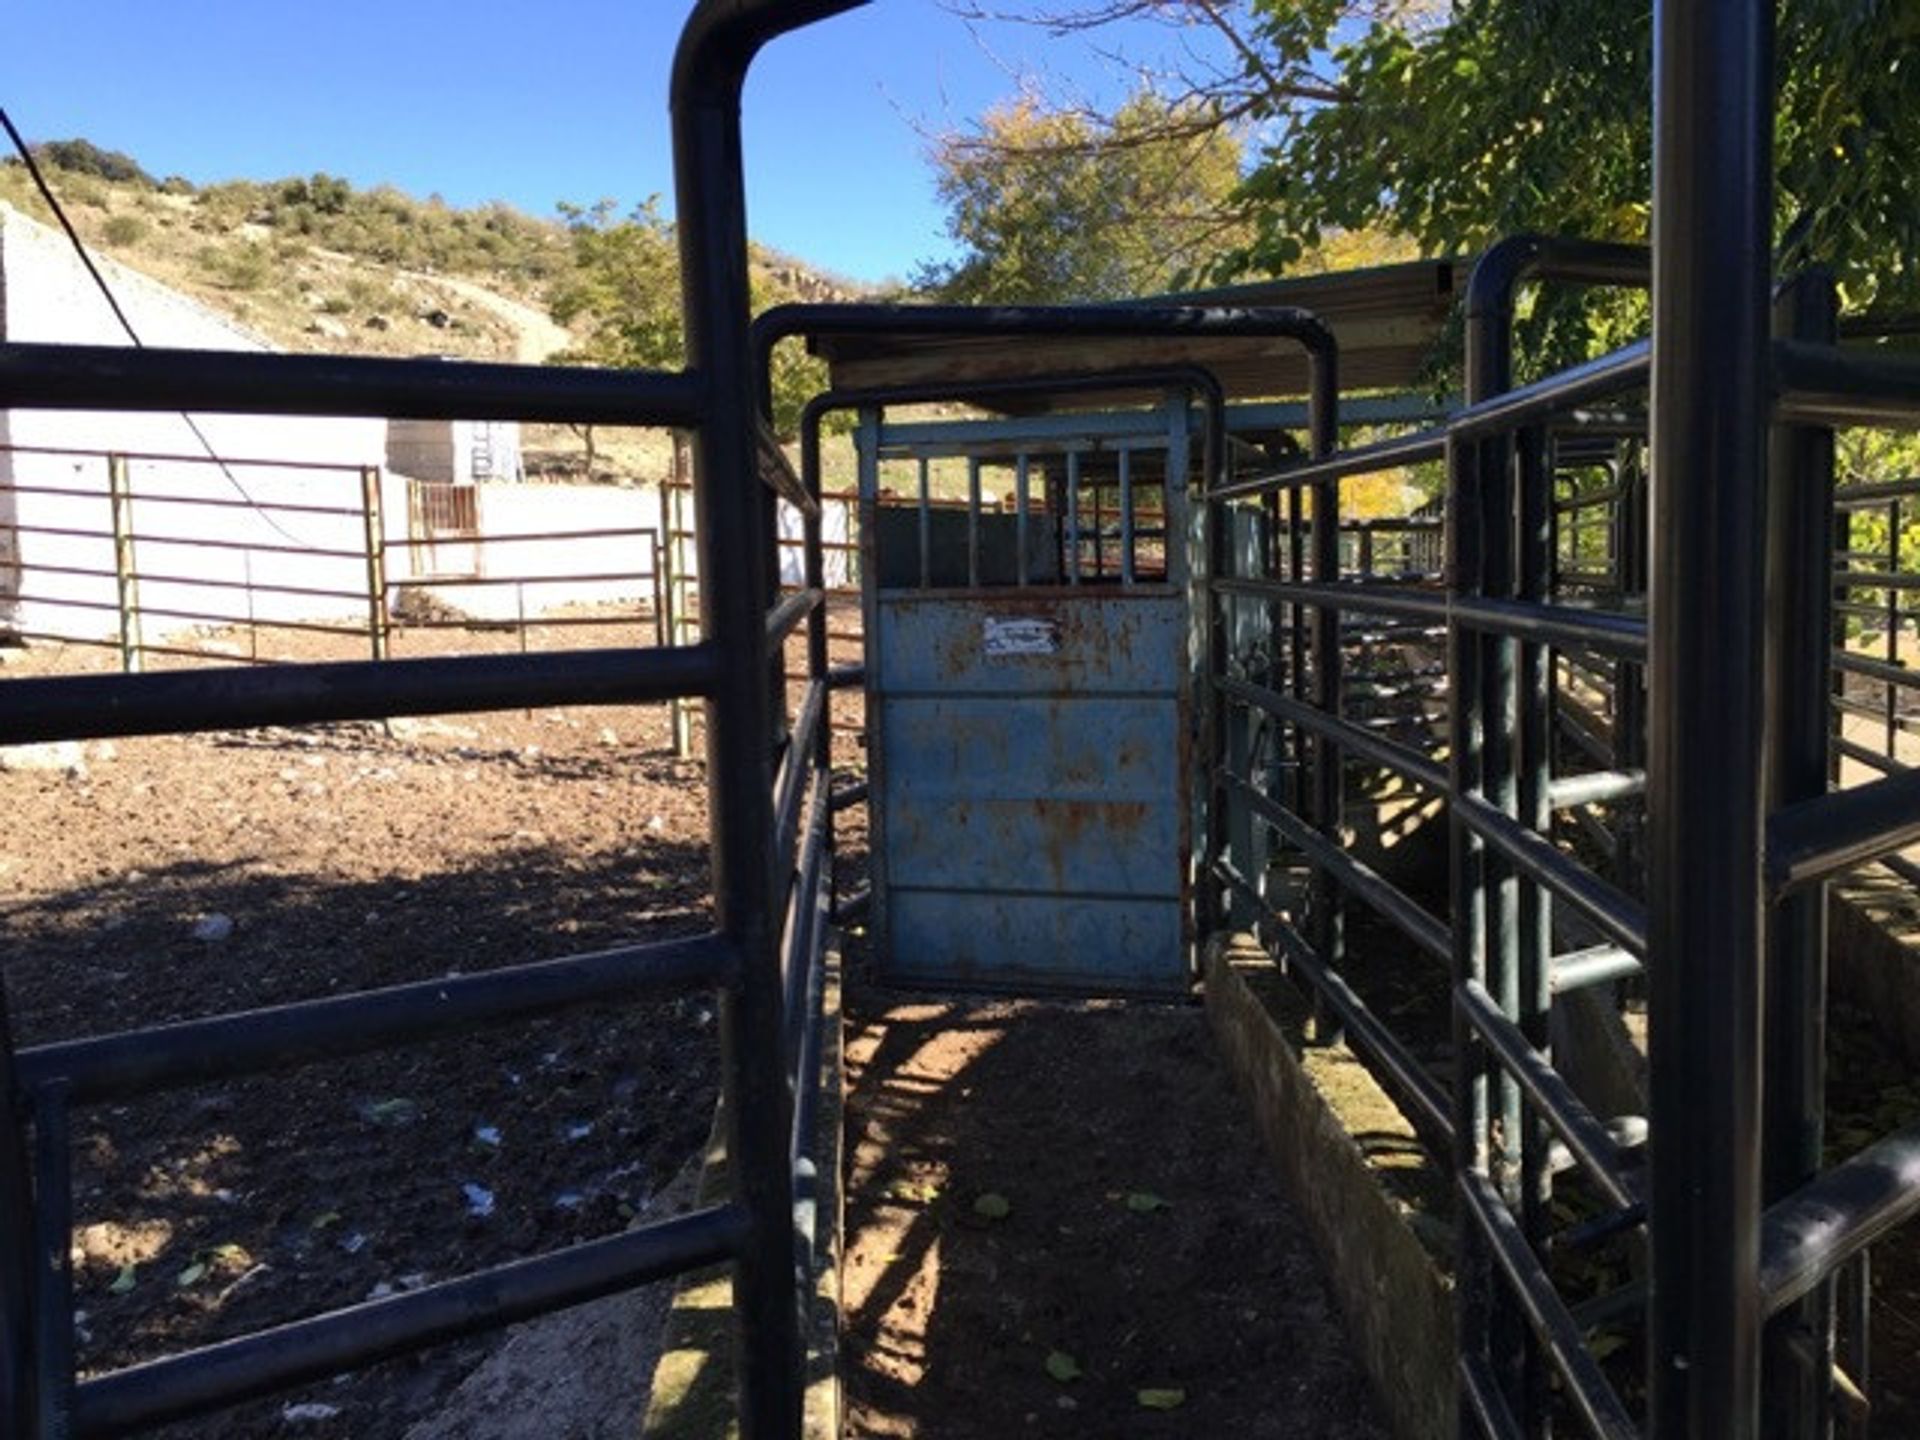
46,296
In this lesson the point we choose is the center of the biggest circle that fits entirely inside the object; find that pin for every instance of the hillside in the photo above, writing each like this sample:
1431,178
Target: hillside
313,264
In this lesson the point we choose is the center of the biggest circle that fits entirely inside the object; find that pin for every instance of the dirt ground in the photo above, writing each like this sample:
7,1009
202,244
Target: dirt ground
149,880
1058,1222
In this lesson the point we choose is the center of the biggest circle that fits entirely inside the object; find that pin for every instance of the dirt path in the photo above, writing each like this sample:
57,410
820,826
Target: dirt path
1145,1257
537,336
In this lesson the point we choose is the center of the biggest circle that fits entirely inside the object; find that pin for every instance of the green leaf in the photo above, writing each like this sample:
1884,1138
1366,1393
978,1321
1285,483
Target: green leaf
992,1206
123,1283
1167,1399
324,1219
1062,1366
1145,1202
192,1275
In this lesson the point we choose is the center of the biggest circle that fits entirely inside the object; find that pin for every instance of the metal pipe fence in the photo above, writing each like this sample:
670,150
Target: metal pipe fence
759,977
148,562
1551,626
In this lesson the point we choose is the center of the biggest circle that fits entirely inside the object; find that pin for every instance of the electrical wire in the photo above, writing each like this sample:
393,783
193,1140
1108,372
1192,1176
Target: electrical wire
133,337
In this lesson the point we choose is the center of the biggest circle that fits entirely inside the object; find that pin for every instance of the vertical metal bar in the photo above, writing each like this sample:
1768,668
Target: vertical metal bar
1630,677
1799,1343
376,545
731,506
1073,517
19,1244
1473,1302
973,522
1857,1300
1893,622
1712,219
680,711
1126,515
1329,772
1297,643
1533,975
1020,518
1099,529
926,526
1842,545
662,631
1216,556
125,571
53,1273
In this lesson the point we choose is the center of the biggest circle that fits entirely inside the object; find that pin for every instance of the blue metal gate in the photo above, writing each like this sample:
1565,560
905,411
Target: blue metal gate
1029,696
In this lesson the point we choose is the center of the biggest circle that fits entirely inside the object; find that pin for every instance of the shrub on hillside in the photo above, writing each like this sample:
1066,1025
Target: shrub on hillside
124,230
83,157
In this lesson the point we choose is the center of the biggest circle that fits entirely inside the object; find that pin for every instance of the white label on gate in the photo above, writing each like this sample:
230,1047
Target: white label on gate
1020,635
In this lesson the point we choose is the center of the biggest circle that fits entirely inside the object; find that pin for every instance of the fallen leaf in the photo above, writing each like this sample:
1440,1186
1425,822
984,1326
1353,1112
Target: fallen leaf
1145,1202
992,1206
192,1275
124,1281
1168,1399
1062,1366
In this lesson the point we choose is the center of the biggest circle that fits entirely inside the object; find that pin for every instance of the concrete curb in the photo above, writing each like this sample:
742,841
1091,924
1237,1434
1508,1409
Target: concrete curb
692,1396
1351,1165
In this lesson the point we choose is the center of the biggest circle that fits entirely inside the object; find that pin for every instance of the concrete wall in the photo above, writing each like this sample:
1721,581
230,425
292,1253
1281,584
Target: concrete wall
463,452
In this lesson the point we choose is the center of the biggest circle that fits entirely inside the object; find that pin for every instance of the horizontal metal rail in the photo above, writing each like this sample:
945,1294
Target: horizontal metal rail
1422,445
1822,837
1854,497
1624,369
1595,788
1808,1235
108,377
1586,1139
1602,631
222,1047
1369,1036
1620,917
1819,384
1587,1390
1356,877
190,1384
1403,760
82,707
1595,965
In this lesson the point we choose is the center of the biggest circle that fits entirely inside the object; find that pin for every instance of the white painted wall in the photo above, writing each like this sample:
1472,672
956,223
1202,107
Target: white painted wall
46,296
256,537
544,547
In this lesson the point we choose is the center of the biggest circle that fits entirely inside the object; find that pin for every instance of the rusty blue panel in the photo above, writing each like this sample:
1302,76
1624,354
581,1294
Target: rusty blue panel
1036,642
1032,823
1036,942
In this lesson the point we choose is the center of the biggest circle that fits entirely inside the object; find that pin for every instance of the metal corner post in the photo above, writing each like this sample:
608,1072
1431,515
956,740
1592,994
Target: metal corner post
1713,86
716,48
1799,1342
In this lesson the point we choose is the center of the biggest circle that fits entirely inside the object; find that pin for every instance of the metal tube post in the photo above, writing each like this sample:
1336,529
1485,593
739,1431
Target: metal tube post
1799,1342
1329,938
376,543
125,572
1712,219
731,505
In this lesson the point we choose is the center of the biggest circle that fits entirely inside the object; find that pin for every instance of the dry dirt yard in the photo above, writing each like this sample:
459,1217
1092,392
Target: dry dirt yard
157,879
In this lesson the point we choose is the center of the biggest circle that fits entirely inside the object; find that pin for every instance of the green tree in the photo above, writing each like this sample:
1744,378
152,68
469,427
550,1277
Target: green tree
621,297
1453,125
1052,205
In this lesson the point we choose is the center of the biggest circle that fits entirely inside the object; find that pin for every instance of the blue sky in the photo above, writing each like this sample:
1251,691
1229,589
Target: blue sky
533,104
